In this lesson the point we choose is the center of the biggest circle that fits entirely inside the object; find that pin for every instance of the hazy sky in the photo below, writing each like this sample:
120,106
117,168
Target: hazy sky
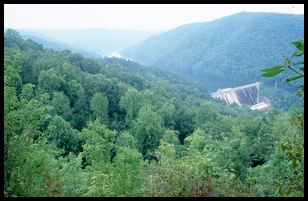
127,16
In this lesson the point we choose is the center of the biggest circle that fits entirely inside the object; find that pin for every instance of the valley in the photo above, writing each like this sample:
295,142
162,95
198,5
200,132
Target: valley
207,108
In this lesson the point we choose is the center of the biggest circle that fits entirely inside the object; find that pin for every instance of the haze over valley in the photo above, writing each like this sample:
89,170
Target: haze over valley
101,41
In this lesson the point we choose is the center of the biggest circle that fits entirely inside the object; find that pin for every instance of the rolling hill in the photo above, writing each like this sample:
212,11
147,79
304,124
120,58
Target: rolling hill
231,49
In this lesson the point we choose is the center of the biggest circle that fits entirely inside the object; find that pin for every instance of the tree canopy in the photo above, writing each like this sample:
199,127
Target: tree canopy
75,126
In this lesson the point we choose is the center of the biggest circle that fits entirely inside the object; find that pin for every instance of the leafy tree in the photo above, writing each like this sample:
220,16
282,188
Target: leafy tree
99,107
72,176
292,145
184,122
99,143
76,60
123,178
63,135
12,38
197,140
166,178
168,139
27,93
131,103
125,139
167,111
206,116
12,70
49,81
172,137
10,99
148,130
235,152
80,112
61,106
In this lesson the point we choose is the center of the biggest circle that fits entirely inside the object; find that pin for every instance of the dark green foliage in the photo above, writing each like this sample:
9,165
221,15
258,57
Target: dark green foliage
297,68
80,113
282,99
61,106
12,70
227,52
63,135
197,48
184,122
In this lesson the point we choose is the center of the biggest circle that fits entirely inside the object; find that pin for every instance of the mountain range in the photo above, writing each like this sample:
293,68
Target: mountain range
229,50
101,41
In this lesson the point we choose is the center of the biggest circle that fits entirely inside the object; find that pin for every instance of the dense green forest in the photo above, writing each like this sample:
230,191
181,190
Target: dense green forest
76,126
232,48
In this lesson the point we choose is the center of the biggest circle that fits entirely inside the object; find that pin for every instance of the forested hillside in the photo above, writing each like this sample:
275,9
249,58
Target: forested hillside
230,49
76,126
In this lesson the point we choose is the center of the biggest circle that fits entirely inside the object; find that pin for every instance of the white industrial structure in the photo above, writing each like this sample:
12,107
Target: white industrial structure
244,95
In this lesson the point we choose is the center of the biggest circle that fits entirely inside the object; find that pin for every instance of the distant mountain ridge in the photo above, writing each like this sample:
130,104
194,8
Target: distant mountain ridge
57,45
234,48
98,40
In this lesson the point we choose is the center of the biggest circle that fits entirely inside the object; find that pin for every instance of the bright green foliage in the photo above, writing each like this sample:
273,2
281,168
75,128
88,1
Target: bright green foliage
125,139
99,107
141,132
131,103
12,70
206,116
283,174
27,93
10,99
30,117
63,135
172,137
166,178
235,153
196,141
167,112
192,175
120,178
61,106
49,81
29,169
148,129
99,142
126,174
290,139
72,176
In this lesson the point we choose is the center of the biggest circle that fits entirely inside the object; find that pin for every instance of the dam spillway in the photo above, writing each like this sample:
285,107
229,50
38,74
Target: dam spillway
244,95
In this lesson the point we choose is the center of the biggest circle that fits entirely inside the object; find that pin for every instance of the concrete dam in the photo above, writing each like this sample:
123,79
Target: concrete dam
244,95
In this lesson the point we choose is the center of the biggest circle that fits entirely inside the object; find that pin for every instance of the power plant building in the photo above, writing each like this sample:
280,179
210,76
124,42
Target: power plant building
244,95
